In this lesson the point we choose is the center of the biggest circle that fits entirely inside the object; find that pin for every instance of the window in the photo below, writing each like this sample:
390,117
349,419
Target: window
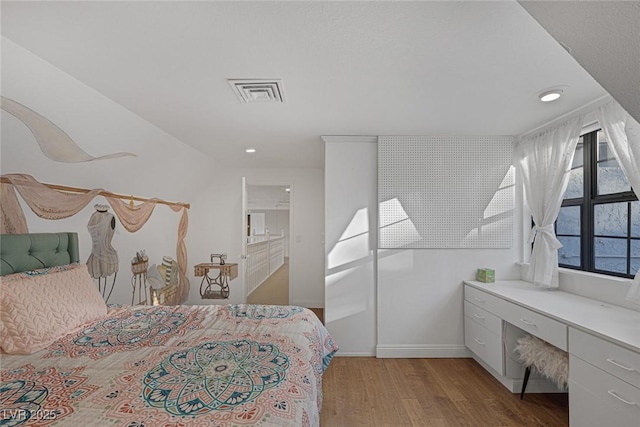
599,221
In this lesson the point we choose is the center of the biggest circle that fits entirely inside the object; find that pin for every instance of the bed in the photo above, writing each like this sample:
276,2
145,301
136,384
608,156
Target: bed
68,359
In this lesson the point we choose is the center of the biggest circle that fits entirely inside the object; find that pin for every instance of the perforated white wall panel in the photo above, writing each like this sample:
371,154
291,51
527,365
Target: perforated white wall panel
445,192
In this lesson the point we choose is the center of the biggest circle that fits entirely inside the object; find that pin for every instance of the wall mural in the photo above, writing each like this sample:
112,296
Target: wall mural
53,141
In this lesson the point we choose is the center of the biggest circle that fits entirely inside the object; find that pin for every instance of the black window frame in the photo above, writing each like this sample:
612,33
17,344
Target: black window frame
587,204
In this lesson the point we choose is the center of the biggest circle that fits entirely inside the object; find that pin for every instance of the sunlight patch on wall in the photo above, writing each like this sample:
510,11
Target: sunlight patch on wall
498,215
396,228
347,295
445,192
502,200
349,271
354,241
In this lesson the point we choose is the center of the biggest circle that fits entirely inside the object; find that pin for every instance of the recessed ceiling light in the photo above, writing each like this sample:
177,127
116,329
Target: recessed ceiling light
550,95
287,190
250,150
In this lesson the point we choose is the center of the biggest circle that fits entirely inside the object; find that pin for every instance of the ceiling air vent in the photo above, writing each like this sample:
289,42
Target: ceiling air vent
258,90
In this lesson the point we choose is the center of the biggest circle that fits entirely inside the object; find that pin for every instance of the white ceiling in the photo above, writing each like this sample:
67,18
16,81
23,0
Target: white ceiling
268,196
348,68
604,37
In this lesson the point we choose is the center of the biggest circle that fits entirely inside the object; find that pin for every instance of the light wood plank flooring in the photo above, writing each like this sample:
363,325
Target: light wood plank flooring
429,392
418,392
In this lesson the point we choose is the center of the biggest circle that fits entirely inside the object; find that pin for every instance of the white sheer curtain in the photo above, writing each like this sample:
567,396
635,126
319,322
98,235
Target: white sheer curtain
544,159
623,134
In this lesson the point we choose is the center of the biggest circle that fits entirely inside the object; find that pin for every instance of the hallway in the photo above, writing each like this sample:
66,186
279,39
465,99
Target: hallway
274,290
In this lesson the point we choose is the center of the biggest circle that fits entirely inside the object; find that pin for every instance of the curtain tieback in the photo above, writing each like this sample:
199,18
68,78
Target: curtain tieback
548,231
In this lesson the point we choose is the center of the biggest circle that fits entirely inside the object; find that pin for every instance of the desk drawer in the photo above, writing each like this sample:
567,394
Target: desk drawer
485,344
543,327
483,317
598,399
616,360
482,299
586,410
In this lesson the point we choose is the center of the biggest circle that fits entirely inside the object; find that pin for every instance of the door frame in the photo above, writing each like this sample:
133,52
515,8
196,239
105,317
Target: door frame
291,242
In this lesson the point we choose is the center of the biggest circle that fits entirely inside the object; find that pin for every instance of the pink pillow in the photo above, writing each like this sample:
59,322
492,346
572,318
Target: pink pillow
39,272
35,311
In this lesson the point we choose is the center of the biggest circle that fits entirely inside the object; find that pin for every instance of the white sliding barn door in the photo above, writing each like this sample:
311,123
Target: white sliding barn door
350,243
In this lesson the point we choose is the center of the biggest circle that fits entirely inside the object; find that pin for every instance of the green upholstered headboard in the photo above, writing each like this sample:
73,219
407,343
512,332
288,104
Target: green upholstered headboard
24,252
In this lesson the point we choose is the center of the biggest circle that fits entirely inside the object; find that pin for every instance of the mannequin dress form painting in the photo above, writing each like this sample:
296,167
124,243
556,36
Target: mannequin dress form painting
103,261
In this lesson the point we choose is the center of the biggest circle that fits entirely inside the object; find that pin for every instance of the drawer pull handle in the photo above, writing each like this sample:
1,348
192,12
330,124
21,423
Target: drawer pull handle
479,299
478,316
479,342
527,322
614,394
619,365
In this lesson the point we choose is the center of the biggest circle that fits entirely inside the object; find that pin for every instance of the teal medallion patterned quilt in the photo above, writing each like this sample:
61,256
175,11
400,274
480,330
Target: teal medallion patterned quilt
228,365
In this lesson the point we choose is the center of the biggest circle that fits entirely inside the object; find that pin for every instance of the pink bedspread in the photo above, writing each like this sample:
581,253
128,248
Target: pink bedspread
175,366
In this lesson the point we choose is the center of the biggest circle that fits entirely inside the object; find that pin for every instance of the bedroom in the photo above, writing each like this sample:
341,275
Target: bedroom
95,73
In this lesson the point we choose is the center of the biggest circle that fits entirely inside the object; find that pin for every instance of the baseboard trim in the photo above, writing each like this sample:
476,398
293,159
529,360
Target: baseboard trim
421,351
308,303
340,353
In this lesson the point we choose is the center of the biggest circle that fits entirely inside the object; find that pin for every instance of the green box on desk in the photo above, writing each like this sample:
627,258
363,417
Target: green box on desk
486,275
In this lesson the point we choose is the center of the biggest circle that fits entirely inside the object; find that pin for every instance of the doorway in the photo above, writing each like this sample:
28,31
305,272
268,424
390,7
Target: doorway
268,234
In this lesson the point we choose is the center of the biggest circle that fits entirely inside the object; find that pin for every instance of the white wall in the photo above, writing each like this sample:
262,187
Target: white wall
256,223
218,221
419,291
277,222
164,166
420,298
351,209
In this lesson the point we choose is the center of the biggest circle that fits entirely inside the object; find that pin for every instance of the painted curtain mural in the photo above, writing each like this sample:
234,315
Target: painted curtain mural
53,204
53,141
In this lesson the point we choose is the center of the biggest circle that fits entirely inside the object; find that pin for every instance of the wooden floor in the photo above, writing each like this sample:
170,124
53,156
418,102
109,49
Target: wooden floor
429,392
418,392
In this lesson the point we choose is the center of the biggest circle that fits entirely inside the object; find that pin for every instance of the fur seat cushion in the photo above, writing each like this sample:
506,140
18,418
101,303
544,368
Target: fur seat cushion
550,361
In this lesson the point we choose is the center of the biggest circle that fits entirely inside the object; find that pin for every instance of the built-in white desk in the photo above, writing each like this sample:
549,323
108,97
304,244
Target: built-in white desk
603,342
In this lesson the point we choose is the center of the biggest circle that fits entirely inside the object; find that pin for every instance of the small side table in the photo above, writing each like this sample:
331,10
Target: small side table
139,280
226,272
